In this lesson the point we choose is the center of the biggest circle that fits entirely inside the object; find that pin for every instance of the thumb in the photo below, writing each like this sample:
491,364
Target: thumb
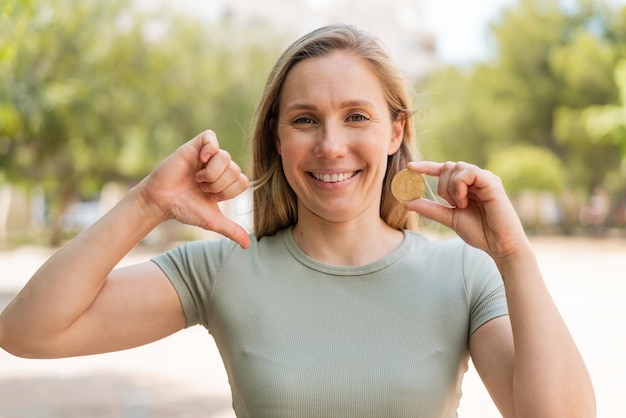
432,210
230,229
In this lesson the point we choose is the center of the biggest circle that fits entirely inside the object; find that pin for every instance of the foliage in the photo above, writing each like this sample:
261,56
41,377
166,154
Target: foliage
550,78
528,167
608,122
93,91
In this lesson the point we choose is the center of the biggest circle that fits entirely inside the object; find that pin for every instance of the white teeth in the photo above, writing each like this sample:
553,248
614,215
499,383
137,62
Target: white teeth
333,178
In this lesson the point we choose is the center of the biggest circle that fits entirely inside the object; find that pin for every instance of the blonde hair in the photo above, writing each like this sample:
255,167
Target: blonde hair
274,201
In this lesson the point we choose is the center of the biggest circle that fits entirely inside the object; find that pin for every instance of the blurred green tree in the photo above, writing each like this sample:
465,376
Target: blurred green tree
93,91
528,167
607,124
552,61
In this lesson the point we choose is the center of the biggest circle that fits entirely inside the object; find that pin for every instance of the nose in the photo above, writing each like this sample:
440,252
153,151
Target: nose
331,143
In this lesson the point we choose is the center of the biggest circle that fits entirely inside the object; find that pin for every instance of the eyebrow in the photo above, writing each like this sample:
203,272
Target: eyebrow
357,103
342,105
300,106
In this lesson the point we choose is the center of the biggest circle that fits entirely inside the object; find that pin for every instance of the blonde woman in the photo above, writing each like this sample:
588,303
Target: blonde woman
335,306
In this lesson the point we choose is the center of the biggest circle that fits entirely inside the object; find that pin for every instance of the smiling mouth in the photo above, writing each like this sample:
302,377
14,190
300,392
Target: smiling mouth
333,178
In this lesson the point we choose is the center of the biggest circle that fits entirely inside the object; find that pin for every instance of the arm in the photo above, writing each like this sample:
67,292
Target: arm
77,304
528,361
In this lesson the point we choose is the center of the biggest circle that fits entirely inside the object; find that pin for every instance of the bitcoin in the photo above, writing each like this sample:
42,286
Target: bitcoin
408,185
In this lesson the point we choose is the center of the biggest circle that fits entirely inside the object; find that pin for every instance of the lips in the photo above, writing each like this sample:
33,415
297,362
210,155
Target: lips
334,177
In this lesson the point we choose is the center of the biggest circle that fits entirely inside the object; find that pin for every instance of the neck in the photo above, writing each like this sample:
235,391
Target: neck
348,244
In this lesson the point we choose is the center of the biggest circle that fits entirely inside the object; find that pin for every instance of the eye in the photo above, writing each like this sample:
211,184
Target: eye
357,117
303,120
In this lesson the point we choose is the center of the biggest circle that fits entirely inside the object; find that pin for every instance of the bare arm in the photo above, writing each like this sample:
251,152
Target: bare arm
74,300
528,361
77,304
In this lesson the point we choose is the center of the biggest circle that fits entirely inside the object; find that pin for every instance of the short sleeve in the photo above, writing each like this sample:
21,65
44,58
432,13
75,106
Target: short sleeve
484,288
193,269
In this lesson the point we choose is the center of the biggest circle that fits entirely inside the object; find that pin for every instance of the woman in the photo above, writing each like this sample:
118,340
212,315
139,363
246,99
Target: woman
334,307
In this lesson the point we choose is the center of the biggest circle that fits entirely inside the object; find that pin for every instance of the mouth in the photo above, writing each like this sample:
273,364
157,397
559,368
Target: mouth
334,177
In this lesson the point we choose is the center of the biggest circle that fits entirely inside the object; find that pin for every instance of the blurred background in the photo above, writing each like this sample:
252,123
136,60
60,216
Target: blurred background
94,94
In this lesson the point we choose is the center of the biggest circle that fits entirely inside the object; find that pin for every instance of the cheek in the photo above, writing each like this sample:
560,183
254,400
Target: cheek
293,146
289,157
284,141
287,151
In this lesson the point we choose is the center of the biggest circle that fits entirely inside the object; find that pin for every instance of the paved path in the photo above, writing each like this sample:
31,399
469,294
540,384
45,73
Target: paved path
182,376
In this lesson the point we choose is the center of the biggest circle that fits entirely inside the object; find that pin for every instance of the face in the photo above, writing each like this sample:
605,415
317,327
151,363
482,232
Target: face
334,133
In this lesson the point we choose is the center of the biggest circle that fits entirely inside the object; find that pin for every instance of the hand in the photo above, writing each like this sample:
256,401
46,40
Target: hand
188,185
480,211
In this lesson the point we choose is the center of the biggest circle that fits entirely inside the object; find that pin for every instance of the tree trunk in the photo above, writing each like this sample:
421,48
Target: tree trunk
56,230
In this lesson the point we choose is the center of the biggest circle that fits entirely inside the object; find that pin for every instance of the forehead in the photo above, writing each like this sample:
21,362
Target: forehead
340,76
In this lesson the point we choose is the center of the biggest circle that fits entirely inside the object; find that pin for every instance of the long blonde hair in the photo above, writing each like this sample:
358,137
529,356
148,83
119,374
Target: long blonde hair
274,201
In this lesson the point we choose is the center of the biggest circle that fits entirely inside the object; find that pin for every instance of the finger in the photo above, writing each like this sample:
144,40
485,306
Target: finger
209,145
426,167
469,181
241,237
215,167
455,178
462,176
228,185
230,229
432,210
231,176
233,189
445,187
442,171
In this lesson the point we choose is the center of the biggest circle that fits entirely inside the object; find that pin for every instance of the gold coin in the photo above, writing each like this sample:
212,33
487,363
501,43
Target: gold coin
408,185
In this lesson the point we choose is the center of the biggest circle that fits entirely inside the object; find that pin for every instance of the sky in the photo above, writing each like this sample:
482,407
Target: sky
461,26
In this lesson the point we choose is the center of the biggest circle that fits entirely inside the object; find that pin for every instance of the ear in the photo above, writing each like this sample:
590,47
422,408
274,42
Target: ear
397,134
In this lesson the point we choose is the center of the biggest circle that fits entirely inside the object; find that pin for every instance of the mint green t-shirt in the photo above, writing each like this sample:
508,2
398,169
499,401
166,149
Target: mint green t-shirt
300,338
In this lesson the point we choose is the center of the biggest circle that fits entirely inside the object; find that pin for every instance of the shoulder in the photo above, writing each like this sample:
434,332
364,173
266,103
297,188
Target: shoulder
438,248
452,257
218,251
